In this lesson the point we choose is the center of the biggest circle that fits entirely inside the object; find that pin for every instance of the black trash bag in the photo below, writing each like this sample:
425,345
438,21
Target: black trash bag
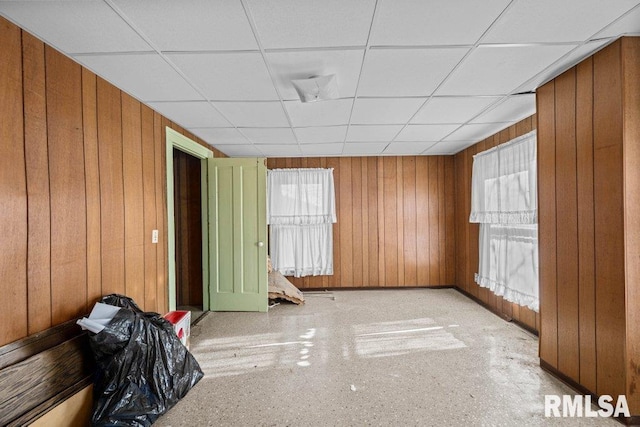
142,367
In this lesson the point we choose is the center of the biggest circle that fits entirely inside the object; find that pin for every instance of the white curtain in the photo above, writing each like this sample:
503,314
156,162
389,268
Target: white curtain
504,202
301,210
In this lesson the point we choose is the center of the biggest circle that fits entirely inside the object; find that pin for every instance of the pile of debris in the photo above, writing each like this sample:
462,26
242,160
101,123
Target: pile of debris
282,289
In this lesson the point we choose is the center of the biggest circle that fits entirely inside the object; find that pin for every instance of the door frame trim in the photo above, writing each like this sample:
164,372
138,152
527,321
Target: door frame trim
184,144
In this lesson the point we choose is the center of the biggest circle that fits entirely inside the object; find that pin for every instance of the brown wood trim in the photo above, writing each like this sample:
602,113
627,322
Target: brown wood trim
498,313
46,406
24,348
36,382
634,420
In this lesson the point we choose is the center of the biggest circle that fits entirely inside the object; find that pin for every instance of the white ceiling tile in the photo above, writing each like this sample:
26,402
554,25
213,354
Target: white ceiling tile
385,110
560,66
494,70
317,134
448,147
215,136
194,24
513,109
322,113
228,76
287,66
309,23
75,26
425,132
146,77
476,132
555,21
281,150
406,72
254,114
239,150
190,114
334,149
364,149
628,24
419,22
452,110
270,135
403,148
361,133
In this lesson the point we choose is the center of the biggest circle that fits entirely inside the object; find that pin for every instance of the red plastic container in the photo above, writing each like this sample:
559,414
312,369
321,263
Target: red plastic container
181,321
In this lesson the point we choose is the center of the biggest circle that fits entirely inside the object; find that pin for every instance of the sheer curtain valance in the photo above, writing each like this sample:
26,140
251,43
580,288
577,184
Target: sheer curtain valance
301,209
504,189
504,202
301,196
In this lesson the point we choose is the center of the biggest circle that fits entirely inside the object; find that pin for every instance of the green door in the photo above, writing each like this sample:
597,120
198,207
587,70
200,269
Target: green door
238,234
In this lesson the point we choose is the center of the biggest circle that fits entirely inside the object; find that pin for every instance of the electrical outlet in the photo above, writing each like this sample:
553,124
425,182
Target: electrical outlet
154,236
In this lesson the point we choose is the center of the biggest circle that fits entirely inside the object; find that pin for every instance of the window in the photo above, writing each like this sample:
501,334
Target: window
504,202
301,213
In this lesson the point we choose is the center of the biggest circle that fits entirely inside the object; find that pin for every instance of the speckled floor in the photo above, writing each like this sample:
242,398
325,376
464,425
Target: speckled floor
421,357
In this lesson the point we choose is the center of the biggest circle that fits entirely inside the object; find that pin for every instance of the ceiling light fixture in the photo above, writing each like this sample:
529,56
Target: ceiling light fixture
317,88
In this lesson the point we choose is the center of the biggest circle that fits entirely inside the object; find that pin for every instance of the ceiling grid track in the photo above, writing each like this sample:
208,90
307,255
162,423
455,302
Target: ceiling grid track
364,58
138,31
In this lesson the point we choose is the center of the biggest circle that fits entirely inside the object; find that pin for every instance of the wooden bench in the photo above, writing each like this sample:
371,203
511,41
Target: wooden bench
41,371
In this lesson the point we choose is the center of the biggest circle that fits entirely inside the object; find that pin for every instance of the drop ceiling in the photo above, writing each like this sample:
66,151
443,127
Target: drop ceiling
415,77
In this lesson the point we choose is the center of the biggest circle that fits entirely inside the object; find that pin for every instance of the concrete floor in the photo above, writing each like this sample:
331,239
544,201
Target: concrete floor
390,357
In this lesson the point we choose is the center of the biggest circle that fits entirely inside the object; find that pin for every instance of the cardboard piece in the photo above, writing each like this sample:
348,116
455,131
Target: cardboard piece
281,288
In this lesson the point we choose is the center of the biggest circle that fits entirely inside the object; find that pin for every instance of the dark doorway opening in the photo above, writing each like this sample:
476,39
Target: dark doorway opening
188,232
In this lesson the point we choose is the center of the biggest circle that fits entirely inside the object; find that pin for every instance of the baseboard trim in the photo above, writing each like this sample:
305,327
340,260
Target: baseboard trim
497,313
633,420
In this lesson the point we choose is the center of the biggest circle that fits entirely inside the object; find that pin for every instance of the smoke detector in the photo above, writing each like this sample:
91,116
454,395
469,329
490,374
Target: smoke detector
317,88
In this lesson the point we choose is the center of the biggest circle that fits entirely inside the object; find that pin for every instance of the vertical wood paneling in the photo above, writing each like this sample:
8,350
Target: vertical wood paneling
422,219
63,172
382,237
356,220
372,231
461,223
434,233
399,219
92,186
364,226
133,198
466,253
442,225
474,232
390,221
631,132
13,188
409,221
150,209
381,220
595,180
335,280
37,167
609,236
160,124
567,224
586,240
450,225
547,223
111,187
67,187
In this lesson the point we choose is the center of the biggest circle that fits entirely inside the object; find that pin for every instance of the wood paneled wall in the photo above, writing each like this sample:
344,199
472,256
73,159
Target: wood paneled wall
467,234
395,221
588,162
82,184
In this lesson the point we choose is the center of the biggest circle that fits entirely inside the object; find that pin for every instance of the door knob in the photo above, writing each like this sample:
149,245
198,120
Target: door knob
260,244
